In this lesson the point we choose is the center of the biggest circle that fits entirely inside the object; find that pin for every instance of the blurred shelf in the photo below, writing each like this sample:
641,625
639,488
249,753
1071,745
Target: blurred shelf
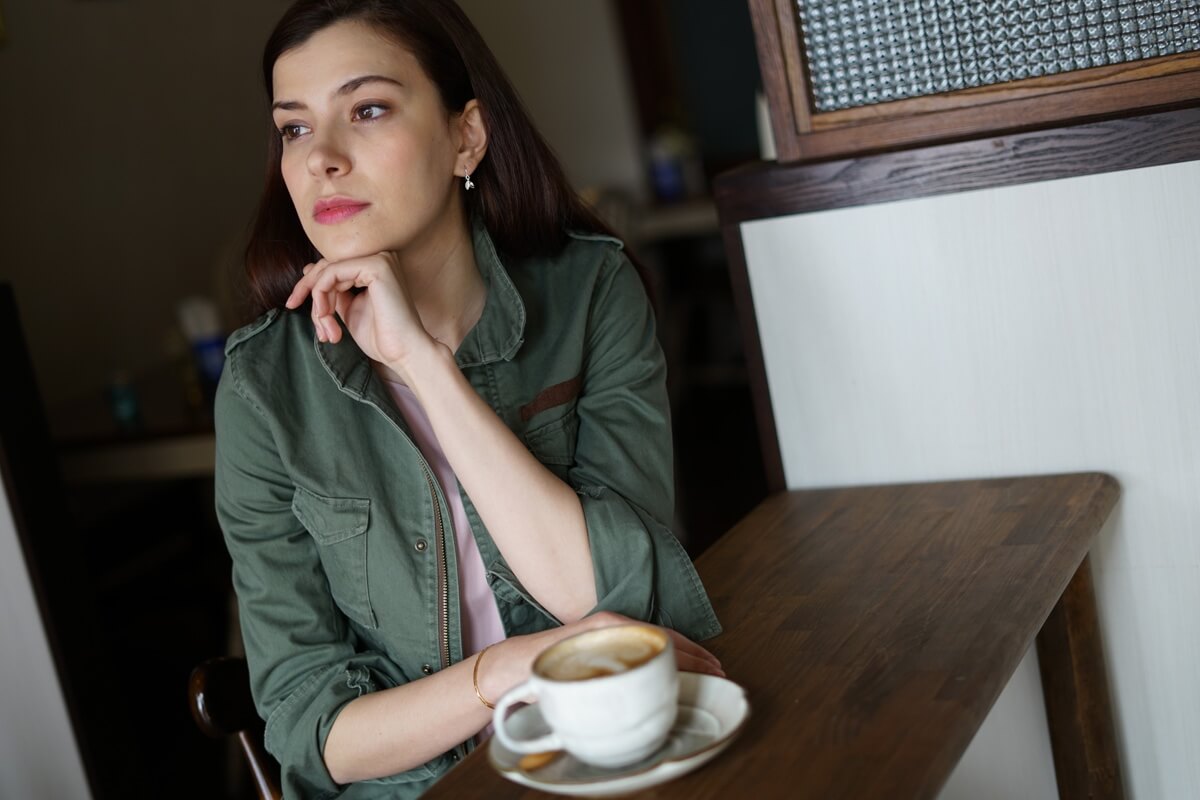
174,436
161,458
657,224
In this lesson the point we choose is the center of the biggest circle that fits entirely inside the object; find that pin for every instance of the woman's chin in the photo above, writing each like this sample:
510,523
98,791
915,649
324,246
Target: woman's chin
343,251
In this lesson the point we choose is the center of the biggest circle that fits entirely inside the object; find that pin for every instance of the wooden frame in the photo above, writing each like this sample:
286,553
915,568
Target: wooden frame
1062,99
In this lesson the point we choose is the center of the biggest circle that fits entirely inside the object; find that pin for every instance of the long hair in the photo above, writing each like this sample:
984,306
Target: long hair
522,194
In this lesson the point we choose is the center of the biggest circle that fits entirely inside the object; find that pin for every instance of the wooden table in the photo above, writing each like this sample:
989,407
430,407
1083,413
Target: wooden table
873,629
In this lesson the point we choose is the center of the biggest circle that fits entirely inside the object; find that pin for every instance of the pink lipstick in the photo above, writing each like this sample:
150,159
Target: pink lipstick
332,210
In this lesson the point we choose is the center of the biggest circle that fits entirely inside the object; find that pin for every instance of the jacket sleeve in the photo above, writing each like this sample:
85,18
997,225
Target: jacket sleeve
305,665
623,468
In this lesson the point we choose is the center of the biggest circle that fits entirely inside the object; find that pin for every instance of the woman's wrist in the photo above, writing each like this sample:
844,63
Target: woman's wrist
422,363
510,662
504,665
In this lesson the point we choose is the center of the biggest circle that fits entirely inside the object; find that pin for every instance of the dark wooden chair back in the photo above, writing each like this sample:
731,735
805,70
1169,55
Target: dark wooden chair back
219,696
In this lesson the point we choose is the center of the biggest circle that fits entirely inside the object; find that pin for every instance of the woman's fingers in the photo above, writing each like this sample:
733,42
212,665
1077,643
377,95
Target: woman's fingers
301,289
382,319
325,293
327,284
690,649
691,657
328,281
690,663
324,274
342,305
330,330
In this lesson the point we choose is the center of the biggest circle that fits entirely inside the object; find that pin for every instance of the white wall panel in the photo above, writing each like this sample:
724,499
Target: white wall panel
38,757
1016,727
1030,329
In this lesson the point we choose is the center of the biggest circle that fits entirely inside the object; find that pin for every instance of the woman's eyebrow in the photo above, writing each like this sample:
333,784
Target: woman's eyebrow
345,89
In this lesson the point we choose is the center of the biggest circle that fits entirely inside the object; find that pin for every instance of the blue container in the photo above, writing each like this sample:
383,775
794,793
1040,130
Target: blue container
209,354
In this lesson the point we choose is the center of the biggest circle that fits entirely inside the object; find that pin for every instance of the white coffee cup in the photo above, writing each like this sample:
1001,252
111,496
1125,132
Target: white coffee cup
609,696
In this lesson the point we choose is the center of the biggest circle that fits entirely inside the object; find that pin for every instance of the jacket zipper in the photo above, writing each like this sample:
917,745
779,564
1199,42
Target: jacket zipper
459,751
443,573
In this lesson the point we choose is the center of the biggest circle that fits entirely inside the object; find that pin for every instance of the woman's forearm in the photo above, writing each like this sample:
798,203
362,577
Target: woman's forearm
393,730
535,519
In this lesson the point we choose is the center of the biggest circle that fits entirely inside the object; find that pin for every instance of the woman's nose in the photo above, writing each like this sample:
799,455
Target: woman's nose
327,157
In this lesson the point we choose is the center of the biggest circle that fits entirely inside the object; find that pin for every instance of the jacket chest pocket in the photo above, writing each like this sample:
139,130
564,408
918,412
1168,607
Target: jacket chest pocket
553,443
339,527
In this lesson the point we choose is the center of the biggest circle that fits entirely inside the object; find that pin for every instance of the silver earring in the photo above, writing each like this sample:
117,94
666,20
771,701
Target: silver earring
467,184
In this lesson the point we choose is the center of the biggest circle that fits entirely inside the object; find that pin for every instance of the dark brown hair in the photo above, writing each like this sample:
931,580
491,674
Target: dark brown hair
522,194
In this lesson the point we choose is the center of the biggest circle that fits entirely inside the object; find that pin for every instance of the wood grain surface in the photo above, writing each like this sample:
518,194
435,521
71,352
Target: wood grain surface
988,118
1075,687
873,628
1126,72
766,189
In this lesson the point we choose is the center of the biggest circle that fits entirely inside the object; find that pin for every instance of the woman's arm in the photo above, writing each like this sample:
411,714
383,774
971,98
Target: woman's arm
534,517
397,729
306,663
600,541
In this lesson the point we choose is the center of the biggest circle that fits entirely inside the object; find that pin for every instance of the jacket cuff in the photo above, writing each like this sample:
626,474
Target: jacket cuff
641,569
298,728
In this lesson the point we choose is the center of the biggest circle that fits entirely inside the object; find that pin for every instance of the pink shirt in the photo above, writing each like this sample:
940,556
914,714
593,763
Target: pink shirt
480,618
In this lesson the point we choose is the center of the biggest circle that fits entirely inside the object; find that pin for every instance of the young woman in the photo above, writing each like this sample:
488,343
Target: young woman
444,444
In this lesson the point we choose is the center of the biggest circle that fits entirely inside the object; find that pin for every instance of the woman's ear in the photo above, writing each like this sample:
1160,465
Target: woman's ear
472,137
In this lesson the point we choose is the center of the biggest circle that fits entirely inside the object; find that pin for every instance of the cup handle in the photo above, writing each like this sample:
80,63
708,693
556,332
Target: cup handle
541,744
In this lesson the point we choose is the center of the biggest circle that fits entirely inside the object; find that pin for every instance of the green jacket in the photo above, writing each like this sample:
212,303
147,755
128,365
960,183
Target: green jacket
343,560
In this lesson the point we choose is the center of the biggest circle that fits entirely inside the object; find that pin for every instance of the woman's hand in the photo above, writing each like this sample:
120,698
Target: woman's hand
510,662
380,315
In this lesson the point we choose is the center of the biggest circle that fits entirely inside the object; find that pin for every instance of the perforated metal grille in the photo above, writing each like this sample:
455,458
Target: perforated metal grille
862,52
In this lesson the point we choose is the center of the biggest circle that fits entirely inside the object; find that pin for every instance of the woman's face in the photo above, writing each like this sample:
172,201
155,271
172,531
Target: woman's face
369,152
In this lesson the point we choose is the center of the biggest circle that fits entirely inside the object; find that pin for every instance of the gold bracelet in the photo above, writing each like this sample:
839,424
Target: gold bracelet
475,677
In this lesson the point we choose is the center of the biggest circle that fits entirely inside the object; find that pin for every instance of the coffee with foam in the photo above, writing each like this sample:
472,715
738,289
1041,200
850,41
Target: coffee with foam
608,695
608,651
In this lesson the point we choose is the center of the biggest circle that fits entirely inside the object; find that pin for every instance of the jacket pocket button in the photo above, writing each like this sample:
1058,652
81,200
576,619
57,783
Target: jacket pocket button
428,670
421,545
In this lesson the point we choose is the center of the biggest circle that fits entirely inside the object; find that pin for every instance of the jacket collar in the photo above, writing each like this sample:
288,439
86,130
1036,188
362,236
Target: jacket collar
501,327
497,335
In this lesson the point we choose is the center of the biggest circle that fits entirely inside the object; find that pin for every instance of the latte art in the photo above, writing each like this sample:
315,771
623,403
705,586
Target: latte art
601,654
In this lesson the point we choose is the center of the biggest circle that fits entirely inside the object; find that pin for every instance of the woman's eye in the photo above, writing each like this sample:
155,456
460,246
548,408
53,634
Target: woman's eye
290,132
370,111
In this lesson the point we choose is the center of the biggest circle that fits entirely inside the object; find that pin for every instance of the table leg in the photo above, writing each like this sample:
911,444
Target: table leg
1075,685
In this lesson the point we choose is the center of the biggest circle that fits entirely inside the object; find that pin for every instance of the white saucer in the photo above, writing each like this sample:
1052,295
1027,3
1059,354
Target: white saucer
711,712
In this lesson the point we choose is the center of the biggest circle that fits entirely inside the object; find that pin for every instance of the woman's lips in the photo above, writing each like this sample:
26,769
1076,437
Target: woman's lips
338,213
